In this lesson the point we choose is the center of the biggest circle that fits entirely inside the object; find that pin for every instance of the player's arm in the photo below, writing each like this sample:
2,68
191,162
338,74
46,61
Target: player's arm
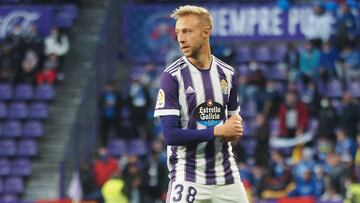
174,135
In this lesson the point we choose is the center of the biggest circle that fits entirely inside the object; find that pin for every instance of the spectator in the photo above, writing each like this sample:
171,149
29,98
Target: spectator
88,184
309,62
293,116
328,119
29,66
305,186
350,116
153,180
49,72
110,108
33,40
328,59
114,189
310,96
345,27
350,65
277,181
132,177
345,146
104,167
291,60
57,43
357,159
139,101
319,29
261,134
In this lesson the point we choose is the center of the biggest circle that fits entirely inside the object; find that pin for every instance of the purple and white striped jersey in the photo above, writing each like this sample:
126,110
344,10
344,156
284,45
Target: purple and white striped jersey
202,99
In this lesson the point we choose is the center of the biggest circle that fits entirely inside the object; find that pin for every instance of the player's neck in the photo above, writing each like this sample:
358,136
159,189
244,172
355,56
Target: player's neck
203,61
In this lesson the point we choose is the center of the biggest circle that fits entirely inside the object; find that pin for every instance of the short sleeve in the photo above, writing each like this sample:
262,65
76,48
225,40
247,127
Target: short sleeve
233,103
167,102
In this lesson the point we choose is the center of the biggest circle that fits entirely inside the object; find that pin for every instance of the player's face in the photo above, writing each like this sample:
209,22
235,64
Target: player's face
191,35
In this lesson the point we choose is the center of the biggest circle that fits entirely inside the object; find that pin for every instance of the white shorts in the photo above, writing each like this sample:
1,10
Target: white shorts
188,192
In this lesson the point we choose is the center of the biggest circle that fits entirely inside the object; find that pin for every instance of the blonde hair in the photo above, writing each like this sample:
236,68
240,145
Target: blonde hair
193,10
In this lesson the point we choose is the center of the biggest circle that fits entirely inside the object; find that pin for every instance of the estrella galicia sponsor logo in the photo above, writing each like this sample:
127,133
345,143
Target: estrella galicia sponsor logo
209,113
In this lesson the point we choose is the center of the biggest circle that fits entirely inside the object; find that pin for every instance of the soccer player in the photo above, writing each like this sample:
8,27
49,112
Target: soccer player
199,113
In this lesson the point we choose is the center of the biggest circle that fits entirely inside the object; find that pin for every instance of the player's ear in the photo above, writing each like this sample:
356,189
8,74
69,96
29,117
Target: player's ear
207,31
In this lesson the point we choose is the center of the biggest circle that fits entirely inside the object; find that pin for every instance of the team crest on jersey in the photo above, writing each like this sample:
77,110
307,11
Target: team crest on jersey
224,86
209,113
160,102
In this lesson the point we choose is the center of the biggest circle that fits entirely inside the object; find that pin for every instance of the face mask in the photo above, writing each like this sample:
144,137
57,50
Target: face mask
324,103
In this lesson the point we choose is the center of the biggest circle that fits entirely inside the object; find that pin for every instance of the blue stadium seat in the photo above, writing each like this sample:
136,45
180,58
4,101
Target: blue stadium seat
21,167
137,147
243,54
6,91
38,110
18,110
4,167
13,185
117,147
27,148
3,110
7,147
44,92
12,128
24,92
33,128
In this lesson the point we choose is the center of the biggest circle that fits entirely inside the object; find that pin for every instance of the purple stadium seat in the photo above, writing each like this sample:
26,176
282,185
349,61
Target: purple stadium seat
38,110
355,88
4,167
263,54
7,147
9,198
24,92
27,148
248,109
243,54
117,147
12,128
33,129
334,89
18,110
6,91
44,92
274,127
3,110
279,52
137,147
275,72
21,167
14,185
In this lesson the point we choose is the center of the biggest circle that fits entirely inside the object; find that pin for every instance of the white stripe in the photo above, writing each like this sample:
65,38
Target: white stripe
234,112
218,97
182,101
166,112
198,86
180,166
234,167
224,65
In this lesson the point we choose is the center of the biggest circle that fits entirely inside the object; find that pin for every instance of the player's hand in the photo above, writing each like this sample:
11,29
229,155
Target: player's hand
231,130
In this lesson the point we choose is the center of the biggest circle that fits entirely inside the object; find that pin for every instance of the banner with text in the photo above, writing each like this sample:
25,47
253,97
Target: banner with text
43,16
149,31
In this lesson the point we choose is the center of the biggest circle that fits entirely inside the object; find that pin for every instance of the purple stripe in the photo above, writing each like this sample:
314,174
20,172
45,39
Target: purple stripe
222,76
173,159
176,68
224,65
229,179
210,146
190,165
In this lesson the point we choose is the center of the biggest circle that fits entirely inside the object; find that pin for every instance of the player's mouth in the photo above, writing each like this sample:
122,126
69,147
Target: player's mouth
185,47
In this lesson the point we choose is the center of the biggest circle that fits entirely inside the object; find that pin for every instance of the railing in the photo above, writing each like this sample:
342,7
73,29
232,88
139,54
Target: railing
82,143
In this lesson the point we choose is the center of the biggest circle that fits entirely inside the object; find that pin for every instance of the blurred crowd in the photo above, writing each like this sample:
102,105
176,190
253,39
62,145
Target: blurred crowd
28,57
302,133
